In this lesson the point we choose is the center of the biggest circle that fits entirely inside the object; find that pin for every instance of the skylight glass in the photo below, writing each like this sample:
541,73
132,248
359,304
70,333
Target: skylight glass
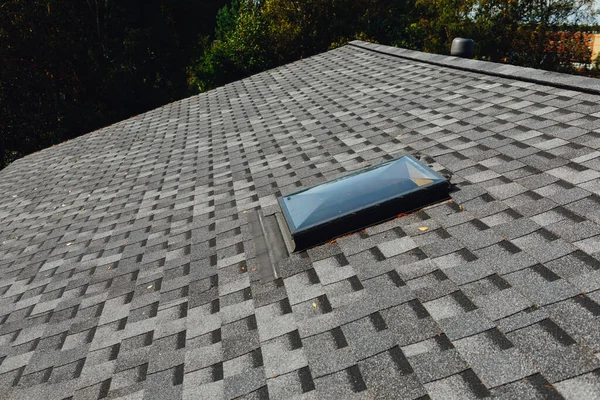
361,199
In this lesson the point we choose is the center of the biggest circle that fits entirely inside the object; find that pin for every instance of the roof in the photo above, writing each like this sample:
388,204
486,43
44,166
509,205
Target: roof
128,269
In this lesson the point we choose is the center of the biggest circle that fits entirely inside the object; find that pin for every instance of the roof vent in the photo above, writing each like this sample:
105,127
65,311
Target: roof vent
361,199
462,48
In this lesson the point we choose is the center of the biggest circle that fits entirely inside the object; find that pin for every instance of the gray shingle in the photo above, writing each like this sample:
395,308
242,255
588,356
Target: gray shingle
388,375
551,348
494,358
580,387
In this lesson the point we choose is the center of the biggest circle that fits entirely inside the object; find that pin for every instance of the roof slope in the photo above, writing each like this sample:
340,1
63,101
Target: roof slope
128,269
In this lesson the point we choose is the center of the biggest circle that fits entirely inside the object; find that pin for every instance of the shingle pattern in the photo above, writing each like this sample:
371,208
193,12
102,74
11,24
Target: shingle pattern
127,267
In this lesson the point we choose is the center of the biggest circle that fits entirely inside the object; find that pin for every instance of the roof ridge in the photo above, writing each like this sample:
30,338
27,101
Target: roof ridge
525,74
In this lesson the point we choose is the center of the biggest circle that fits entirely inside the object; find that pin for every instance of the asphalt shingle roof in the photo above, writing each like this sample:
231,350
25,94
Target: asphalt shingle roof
127,266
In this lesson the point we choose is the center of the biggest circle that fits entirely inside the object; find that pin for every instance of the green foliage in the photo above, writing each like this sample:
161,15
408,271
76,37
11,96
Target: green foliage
538,33
240,48
253,35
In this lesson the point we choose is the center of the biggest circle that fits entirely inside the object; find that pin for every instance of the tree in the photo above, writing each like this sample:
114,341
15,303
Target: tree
240,49
252,35
437,22
539,33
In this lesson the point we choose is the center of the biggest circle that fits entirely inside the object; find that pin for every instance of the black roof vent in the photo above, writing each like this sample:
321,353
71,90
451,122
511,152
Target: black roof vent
361,199
462,47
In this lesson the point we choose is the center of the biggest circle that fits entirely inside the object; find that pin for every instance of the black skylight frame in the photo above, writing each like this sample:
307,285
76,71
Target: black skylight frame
401,202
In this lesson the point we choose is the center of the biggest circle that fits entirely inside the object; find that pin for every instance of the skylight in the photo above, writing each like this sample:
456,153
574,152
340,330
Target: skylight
356,201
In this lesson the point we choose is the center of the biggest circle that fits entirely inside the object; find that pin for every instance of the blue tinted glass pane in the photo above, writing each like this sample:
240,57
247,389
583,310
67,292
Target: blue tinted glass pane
355,192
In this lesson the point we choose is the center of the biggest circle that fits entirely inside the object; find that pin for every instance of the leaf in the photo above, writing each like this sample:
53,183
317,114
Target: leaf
423,228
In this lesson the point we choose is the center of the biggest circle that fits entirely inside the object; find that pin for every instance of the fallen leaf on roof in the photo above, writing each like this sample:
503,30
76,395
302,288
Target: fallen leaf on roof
314,305
149,286
423,228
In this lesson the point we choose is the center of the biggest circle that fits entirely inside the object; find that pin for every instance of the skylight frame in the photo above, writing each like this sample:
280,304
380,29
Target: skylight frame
369,214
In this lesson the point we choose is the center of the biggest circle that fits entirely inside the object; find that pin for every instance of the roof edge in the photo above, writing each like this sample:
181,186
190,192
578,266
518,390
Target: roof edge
532,75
